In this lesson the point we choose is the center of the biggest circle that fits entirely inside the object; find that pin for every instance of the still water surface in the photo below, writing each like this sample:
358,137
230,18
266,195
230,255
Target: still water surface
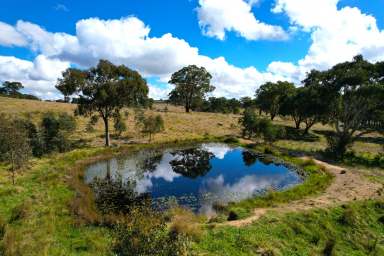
197,176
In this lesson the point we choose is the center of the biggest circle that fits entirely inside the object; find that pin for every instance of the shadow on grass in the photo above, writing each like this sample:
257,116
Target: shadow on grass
298,135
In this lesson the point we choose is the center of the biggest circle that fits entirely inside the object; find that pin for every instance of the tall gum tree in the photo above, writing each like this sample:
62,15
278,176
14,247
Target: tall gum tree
192,83
104,89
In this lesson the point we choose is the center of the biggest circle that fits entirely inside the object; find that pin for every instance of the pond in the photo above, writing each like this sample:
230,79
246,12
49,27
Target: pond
198,176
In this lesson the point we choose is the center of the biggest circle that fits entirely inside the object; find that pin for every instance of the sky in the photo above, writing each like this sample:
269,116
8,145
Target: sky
242,43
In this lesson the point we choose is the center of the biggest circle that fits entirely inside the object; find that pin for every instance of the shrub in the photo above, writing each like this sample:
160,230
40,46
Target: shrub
55,131
144,233
152,125
119,124
185,223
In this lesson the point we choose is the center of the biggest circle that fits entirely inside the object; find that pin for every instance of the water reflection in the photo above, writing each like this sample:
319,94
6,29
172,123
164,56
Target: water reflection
192,162
199,176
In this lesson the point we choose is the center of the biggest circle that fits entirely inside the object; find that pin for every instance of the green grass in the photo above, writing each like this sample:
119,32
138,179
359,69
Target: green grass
354,229
316,181
37,213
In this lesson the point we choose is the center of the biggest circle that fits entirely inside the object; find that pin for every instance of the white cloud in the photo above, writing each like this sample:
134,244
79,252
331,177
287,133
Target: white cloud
337,35
216,17
9,36
344,33
157,92
127,41
38,77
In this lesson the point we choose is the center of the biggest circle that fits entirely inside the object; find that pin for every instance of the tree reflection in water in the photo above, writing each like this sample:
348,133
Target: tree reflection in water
191,163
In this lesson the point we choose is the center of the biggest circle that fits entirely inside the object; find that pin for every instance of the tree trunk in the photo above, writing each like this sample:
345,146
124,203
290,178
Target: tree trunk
187,108
297,123
307,127
273,116
106,128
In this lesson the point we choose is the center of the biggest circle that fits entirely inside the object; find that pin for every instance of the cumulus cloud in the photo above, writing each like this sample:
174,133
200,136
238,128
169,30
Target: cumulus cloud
127,41
344,32
38,77
216,17
9,36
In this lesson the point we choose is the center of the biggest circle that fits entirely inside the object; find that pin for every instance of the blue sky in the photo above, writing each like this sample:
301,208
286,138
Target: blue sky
243,43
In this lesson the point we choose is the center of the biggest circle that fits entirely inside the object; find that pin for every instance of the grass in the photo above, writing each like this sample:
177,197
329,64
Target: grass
354,229
37,213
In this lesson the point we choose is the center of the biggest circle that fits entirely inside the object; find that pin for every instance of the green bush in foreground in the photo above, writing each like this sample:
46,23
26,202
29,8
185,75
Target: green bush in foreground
145,232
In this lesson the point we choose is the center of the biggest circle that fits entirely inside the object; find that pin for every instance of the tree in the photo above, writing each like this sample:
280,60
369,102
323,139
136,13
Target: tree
152,125
119,124
14,145
11,88
70,82
247,102
191,85
55,130
270,96
248,121
358,102
292,107
105,89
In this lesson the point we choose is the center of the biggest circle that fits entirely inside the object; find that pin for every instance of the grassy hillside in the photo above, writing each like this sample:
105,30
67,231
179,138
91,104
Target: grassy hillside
37,215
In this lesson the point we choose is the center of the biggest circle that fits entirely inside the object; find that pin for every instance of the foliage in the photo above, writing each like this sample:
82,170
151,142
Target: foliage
358,105
14,145
119,124
220,105
12,89
271,96
255,126
105,89
191,85
55,130
248,121
151,124
145,232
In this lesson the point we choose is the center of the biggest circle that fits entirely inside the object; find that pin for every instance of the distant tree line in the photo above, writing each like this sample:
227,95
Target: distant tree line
12,90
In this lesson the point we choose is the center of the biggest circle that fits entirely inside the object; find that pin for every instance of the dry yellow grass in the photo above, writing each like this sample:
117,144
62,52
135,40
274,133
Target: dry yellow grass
178,125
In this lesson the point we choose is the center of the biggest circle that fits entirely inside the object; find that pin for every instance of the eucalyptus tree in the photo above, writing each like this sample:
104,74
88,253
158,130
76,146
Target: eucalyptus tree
357,108
105,90
11,88
192,83
270,96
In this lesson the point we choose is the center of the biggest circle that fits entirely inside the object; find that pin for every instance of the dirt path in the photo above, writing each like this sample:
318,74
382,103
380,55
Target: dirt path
346,186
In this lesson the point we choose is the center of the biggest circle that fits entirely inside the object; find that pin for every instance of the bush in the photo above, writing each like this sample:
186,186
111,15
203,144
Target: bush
119,124
145,232
185,223
55,131
151,125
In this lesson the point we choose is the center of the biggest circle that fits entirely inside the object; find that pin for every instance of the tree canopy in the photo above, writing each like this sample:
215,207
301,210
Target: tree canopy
270,96
104,89
192,83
